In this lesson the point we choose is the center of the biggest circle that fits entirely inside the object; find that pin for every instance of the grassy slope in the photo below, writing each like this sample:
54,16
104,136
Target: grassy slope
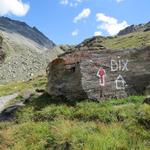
38,82
133,40
46,123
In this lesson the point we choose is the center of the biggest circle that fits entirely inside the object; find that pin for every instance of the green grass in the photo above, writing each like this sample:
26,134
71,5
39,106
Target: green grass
72,134
143,115
38,82
47,109
47,123
132,40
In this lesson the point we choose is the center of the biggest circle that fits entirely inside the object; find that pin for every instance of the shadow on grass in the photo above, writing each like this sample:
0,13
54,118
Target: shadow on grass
39,102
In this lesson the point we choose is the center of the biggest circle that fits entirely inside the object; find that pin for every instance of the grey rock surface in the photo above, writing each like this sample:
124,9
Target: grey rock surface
2,54
73,76
5,99
7,113
135,28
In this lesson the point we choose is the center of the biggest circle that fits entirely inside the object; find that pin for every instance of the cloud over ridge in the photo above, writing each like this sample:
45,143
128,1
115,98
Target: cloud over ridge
110,24
84,14
15,7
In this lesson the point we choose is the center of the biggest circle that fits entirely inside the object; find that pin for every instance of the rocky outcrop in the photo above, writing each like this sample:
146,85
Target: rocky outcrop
73,76
93,43
4,100
2,54
135,28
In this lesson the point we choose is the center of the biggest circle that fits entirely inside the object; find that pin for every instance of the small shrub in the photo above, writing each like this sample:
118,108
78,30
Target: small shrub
143,115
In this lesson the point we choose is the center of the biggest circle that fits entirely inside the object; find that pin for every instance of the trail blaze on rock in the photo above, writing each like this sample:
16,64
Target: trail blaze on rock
74,75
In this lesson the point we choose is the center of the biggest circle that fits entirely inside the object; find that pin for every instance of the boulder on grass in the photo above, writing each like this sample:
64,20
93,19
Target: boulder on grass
73,76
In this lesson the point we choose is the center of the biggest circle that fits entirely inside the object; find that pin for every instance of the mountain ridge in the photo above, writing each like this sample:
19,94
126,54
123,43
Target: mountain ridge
9,25
27,51
135,28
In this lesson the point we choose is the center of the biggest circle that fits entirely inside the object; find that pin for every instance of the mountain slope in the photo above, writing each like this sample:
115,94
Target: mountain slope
134,36
48,123
16,27
2,54
132,40
27,51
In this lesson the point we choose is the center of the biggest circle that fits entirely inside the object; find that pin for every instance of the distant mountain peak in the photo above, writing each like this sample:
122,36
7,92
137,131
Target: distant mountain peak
32,33
24,51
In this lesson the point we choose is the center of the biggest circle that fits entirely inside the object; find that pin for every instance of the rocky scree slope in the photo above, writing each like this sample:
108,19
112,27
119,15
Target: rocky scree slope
2,54
27,50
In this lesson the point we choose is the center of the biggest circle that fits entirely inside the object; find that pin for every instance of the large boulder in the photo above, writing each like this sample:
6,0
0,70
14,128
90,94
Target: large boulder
73,76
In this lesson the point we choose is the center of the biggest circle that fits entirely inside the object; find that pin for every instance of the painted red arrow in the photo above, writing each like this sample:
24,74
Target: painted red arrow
101,74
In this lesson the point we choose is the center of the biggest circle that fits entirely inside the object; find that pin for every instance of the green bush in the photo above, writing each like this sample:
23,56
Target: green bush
53,111
143,115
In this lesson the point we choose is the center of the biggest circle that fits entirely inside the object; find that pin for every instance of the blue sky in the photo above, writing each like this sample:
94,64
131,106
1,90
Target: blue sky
71,21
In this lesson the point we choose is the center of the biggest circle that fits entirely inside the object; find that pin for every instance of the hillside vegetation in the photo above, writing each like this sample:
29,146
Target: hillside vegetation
47,123
128,41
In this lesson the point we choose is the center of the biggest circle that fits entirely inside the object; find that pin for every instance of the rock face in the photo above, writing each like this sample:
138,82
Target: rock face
73,76
135,28
93,43
2,54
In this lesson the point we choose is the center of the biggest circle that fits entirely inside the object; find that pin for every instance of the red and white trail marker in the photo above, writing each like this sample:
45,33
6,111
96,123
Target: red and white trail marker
101,74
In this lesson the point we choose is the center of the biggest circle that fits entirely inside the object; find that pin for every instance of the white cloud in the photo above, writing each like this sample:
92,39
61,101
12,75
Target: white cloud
15,7
84,14
110,24
118,1
71,3
64,2
97,33
75,3
75,32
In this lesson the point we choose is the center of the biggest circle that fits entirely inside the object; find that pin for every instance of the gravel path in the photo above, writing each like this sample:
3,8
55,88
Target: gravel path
5,99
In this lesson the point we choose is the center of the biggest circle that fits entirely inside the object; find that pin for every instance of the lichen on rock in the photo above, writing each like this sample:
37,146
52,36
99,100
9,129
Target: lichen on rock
73,75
